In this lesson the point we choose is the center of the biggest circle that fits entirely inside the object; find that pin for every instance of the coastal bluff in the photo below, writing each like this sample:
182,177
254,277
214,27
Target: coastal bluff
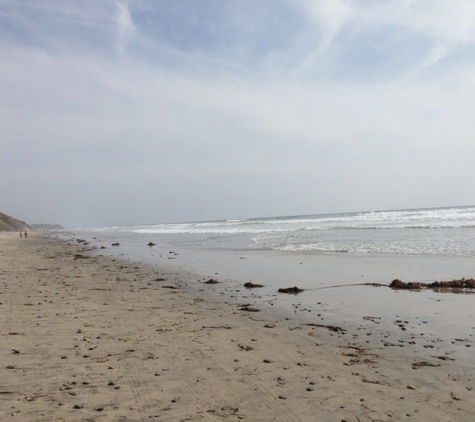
8,223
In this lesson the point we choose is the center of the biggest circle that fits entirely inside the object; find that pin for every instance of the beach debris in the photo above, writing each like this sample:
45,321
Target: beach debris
249,309
372,319
245,348
212,281
170,287
417,365
443,357
291,290
80,256
453,284
151,244
330,327
251,285
116,244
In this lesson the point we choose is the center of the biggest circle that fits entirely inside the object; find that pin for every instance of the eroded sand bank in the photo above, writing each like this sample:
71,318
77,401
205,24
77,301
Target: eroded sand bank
91,338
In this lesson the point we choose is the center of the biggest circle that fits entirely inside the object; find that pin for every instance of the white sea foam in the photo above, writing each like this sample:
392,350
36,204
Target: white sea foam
443,231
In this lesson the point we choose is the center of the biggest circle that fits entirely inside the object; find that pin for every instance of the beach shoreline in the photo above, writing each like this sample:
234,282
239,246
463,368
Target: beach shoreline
77,325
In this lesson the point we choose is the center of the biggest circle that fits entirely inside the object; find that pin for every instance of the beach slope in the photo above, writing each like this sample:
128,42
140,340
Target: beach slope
87,337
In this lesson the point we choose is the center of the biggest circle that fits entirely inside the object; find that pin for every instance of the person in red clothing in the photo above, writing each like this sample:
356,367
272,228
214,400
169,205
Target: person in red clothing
26,234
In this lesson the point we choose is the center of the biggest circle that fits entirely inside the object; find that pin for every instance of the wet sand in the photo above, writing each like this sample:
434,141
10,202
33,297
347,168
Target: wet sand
89,337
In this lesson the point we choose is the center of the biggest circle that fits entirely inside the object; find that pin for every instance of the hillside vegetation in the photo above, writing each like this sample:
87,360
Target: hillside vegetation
8,223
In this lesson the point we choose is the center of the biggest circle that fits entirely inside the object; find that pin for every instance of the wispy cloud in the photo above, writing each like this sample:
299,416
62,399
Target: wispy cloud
125,25
288,97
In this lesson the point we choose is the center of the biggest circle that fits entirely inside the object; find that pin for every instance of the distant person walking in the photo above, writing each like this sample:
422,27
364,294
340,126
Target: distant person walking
21,234
26,234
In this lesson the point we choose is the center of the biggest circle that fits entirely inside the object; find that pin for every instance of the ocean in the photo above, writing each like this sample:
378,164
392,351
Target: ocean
435,232
335,258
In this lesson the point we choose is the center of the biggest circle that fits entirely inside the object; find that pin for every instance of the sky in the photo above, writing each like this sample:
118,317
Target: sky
116,112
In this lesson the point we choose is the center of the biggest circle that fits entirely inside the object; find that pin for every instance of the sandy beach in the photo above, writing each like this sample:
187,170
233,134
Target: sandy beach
93,338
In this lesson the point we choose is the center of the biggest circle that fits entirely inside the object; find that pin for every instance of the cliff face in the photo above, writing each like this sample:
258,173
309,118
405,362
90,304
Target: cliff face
8,223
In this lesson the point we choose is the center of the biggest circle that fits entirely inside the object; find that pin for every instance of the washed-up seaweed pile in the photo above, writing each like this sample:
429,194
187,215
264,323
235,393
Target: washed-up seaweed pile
454,284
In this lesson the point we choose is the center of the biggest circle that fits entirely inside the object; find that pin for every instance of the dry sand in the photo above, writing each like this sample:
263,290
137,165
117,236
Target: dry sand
91,338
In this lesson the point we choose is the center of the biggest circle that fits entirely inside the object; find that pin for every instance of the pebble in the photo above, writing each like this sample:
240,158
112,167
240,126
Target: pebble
100,409
79,406
111,383
282,397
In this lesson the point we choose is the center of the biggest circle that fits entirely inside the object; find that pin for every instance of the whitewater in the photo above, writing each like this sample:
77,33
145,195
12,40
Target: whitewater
435,232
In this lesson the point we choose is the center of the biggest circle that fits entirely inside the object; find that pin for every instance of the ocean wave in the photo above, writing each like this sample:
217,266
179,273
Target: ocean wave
370,249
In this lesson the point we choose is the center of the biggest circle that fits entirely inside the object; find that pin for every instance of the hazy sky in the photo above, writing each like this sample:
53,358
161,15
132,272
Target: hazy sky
146,111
